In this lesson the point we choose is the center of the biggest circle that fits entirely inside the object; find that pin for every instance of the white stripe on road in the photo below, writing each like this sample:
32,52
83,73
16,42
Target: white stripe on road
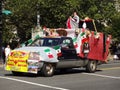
113,77
110,68
32,83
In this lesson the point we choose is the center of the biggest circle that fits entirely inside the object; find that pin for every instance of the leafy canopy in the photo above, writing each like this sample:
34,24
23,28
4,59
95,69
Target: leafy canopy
54,13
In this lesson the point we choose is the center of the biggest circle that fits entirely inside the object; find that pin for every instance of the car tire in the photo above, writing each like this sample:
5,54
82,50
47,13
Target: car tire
48,70
91,66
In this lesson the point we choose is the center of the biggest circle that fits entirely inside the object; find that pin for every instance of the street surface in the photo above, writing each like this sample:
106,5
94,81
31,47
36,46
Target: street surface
107,77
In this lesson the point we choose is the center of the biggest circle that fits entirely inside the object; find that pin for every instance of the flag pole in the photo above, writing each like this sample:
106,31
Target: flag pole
94,25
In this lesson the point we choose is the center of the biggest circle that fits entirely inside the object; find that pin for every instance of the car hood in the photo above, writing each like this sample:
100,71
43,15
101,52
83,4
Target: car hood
47,54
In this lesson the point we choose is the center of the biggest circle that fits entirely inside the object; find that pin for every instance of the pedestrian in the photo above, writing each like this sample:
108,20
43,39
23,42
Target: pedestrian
118,51
7,51
114,48
3,55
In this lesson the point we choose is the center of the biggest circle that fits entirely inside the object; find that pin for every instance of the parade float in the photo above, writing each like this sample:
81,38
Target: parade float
61,49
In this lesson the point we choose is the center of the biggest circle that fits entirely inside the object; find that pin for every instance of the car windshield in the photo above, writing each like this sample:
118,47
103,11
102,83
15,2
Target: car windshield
46,42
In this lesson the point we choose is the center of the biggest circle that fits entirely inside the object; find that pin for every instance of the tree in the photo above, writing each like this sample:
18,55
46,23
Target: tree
22,19
54,14
99,10
115,27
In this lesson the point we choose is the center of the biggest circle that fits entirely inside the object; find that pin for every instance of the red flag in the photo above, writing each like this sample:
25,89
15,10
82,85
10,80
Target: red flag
68,24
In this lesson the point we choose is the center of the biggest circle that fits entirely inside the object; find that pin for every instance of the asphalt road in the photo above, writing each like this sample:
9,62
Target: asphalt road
107,77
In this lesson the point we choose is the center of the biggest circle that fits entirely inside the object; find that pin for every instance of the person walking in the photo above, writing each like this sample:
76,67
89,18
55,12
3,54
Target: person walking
3,55
7,51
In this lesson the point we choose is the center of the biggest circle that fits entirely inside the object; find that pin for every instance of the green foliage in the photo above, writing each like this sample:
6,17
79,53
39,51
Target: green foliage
22,17
115,28
54,14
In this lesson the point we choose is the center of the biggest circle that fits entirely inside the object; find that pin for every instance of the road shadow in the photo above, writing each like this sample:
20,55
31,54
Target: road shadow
57,72
22,75
72,71
68,71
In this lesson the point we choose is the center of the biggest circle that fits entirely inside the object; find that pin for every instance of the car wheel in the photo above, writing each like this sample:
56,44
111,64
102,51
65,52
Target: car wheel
91,66
48,70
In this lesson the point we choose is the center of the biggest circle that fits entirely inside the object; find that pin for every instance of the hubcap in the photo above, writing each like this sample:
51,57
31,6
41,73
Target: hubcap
49,69
93,65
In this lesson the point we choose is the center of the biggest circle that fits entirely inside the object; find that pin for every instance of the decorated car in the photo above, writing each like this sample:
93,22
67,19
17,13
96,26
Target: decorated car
61,49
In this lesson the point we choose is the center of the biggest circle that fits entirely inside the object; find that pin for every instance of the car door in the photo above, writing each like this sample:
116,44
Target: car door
69,56
67,49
